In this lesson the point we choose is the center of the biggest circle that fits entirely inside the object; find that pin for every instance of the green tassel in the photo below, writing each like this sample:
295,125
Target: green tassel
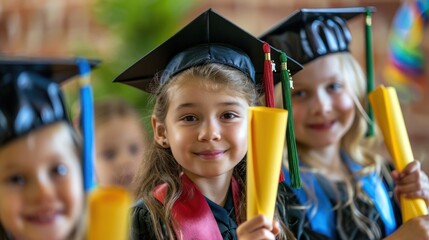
295,178
369,70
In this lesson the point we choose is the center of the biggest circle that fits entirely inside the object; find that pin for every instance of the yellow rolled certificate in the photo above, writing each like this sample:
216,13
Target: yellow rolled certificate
266,136
387,111
109,214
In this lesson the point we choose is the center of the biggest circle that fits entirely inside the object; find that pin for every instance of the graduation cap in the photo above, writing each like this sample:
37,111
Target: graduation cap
30,95
209,38
311,33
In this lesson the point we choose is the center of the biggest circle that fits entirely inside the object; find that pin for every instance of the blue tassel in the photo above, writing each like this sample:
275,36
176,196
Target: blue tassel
87,124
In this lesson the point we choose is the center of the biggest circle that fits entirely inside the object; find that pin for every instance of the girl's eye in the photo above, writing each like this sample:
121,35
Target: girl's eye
189,118
16,180
298,93
335,86
229,115
134,149
60,170
109,154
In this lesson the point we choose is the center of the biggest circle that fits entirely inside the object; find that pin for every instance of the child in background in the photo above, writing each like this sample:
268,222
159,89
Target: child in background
192,183
41,184
120,140
341,173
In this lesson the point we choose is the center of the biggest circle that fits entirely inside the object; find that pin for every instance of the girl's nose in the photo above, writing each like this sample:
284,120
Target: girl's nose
322,103
209,131
128,161
42,190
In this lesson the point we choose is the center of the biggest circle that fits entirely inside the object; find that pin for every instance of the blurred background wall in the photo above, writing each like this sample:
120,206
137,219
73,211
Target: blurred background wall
119,32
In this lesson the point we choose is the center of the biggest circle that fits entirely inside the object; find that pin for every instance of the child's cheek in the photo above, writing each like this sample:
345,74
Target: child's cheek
345,103
74,194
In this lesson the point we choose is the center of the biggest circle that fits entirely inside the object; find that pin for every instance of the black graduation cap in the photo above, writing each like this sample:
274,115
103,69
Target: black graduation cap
310,33
209,38
30,95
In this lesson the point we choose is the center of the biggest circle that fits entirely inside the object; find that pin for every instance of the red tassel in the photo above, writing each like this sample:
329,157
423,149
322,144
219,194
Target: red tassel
269,85
268,77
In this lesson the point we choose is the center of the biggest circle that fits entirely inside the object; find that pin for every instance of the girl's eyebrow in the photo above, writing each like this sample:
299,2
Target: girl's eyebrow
228,103
10,166
232,103
185,105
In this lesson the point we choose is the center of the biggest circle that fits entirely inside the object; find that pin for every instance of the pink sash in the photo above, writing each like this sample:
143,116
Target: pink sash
192,213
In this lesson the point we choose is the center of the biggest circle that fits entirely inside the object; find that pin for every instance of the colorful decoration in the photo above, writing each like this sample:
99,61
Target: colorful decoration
405,69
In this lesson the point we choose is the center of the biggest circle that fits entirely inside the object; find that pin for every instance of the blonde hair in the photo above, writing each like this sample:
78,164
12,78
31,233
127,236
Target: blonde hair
355,144
159,165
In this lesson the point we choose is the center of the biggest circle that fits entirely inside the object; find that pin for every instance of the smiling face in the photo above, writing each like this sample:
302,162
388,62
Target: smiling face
119,144
206,128
41,185
323,107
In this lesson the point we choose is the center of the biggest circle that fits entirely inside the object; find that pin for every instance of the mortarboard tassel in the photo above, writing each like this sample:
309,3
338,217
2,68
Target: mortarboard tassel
286,81
108,207
268,76
269,84
369,69
87,124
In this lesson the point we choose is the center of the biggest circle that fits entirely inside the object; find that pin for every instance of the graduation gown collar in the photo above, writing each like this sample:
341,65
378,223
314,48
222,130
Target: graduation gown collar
321,217
191,213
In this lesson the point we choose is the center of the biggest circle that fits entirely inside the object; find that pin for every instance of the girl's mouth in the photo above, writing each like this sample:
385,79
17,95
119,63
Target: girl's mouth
43,217
215,154
321,126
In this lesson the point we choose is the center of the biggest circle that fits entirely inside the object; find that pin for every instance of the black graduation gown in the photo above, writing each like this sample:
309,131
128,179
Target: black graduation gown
346,228
294,214
142,226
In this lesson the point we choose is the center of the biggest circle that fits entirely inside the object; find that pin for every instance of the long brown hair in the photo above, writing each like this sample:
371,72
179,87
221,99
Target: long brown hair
159,165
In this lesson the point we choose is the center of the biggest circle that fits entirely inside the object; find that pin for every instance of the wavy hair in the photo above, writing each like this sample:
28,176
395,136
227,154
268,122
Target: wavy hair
159,165
356,145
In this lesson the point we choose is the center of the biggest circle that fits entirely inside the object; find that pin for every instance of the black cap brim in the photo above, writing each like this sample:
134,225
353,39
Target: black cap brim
209,27
55,69
302,16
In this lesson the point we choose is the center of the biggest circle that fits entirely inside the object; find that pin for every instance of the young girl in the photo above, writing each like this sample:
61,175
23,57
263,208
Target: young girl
41,185
345,196
192,181
120,141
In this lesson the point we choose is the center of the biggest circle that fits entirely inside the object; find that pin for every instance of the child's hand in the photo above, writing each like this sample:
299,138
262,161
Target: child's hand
259,227
412,182
415,228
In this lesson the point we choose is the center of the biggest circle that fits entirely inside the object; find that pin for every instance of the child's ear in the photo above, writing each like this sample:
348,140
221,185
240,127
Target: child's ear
159,132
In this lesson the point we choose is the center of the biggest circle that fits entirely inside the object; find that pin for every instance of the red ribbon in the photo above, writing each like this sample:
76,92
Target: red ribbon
192,213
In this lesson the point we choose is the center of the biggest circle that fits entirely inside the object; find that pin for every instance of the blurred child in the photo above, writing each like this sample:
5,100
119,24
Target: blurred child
41,185
192,184
348,188
120,141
